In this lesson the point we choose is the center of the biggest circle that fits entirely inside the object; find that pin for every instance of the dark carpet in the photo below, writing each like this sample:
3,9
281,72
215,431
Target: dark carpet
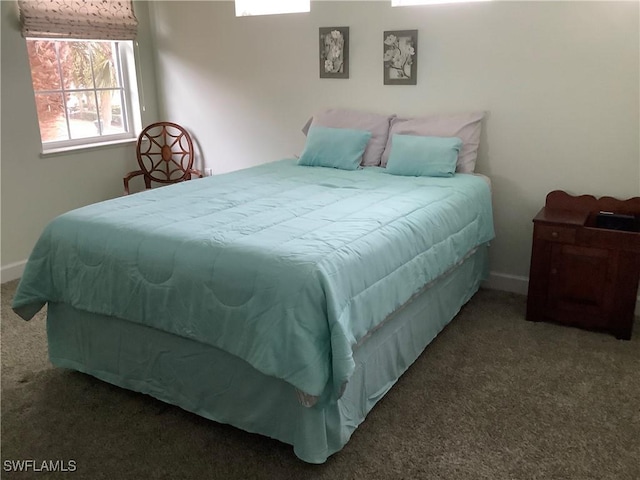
493,397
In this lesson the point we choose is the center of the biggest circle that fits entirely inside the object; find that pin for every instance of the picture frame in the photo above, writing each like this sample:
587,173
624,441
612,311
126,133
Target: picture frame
400,57
334,52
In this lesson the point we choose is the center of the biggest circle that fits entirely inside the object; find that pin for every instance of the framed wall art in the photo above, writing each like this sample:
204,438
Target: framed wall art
334,52
400,57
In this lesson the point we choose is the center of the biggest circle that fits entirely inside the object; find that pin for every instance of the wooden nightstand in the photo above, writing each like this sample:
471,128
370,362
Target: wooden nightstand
581,274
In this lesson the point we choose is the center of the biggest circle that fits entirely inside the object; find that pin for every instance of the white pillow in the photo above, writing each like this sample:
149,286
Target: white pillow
377,124
466,126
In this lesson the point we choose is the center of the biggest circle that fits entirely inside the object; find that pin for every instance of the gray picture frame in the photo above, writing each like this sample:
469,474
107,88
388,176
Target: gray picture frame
400,57
334,52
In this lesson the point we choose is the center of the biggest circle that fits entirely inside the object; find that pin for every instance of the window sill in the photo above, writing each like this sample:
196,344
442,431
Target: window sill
52,152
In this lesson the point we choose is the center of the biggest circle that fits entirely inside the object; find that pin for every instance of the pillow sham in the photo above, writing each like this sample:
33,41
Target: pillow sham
334,147
417,156
377,124
466,126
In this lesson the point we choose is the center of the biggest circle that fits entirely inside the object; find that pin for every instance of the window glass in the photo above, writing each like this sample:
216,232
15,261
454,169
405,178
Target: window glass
403,3
261,7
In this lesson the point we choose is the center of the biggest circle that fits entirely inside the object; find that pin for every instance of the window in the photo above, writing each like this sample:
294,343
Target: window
85,91
260,7
403,3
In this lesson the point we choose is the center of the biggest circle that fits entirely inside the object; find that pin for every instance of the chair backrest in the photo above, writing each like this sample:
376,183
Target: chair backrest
165,153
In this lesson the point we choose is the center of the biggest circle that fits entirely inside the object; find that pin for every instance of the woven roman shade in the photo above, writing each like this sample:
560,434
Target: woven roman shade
82,19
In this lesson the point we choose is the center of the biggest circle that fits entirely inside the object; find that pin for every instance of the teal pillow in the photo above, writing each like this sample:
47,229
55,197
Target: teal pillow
418,156
334,147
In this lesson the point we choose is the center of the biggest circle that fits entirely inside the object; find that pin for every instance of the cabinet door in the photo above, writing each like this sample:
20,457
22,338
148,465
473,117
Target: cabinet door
581,284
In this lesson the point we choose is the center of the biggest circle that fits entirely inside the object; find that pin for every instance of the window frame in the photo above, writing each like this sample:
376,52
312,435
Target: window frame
130,100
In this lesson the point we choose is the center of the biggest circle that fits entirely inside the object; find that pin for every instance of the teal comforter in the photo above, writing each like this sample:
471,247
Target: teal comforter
284,266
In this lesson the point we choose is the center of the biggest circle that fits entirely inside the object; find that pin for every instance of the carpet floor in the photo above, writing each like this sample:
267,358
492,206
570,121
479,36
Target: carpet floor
493,397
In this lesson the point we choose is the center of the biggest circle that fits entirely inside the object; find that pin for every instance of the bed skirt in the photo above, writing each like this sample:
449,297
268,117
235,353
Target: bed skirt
221,387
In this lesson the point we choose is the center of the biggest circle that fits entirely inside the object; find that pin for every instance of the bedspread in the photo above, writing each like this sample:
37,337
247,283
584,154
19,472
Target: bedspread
284,266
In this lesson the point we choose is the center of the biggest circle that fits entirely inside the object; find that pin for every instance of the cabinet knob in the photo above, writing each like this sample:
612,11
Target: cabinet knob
554,234
554,271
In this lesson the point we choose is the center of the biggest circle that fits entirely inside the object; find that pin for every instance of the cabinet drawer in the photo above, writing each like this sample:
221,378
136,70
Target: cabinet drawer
554,233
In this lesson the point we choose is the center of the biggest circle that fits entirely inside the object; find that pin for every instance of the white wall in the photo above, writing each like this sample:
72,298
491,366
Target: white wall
35,189
560,82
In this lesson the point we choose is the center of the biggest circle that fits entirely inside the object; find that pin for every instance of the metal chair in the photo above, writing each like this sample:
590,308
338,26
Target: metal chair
165,155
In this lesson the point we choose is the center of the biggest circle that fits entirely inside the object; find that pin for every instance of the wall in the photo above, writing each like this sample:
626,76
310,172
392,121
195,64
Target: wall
35,189
560,82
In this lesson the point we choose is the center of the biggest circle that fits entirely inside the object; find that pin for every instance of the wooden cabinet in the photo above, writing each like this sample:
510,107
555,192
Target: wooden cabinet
583,274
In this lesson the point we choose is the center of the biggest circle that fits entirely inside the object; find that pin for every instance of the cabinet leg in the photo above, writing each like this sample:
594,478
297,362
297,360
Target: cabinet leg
623,334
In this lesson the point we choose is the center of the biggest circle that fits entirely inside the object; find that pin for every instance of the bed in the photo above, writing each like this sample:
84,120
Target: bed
284,299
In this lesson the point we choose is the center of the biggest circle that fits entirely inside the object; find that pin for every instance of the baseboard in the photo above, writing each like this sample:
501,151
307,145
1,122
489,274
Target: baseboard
517,284
507,283
13,271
